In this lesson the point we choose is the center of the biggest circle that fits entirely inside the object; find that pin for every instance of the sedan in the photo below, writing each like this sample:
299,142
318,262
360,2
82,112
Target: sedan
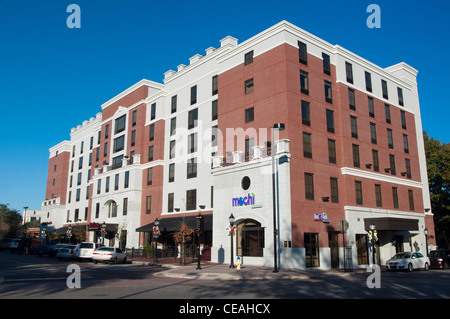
107,254
408,261
66,252
440,259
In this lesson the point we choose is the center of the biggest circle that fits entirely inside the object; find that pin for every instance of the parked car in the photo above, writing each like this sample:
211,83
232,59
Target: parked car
408,261
42,250
107,254
15,245
439,259
66,252
4,243
54,249
85,250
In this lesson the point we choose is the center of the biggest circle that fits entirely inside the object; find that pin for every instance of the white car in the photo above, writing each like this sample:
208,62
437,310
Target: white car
107,254
85,250
66,252
408,261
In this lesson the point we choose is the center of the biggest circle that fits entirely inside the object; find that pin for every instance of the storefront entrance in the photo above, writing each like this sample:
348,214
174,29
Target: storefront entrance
250,238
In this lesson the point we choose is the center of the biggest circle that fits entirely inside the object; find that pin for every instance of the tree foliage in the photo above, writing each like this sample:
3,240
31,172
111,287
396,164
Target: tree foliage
438,168
183,236
10,222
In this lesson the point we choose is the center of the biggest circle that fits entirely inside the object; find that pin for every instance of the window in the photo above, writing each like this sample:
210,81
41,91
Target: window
373,133
192,143
149,176
349,72
390,139
99,186
395,196
214,135
332,151
330,121
192,168
215,110
403,117
249,86
408,167
249,144
107,131
173,125
119,144
368,81
387,111
97,210
355,149
77,198
307,147
152,132
192,118
249,115
78,179
400,96
326,64
170,199
392,164
351,99
309,186
371,108
116,182
328,92
376,164
133,138
173,105
134,118
385,89
172,149
354,126
80,162
127,179
358,193
120,124
148,205
150,153
405,144
125,206
378,198
81,147
334,190
107,184
306,117
105,149
215,84
304,82
302,53
171,172
153,112
194,94
248,58
411,199
311,241
191,199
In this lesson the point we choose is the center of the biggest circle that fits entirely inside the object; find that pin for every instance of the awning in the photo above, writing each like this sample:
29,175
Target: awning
63,230
173,224
391,223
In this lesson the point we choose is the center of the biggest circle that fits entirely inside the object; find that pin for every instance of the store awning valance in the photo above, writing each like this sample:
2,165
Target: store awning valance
173,224
391,223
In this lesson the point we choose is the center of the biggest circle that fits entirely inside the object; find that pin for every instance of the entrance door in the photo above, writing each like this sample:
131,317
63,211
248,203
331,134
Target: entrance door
334,249
398,239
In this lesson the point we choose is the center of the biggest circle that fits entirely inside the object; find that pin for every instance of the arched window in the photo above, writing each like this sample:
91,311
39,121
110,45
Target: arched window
250,238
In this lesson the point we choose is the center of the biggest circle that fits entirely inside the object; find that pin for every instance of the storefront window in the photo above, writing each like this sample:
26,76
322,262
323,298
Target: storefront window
250,238
361,247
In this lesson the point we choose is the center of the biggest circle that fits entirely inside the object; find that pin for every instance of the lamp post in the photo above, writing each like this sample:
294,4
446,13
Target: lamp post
198,231
279,127
232,220
372,229
425,231
155,238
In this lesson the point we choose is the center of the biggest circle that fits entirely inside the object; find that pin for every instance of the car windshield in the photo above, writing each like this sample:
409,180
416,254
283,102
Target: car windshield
402,256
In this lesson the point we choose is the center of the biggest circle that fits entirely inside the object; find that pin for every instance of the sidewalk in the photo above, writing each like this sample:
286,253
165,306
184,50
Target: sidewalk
215,271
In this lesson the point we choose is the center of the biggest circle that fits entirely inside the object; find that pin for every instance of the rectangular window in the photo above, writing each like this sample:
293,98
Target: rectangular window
127,179
355,149
354,126
152,132
107,184
192,143
392,164
349,72
172,149
105,149
150,153
173,125
249,114
307,147
330,121
149,176
99,186
248,58
191,199
248,86
171,172
387,111
326,64
403,117
351,99
191,168
328,92
390,139
309,186
215,110
107,131
192,118
153,111
173,105
400,96
385,89
116,182
194,94
304,82
358,193
78,195
395,196
170,199
125,206
80,162
134,118
378,198
215,84
411,199
312,258
306,117
133,138
408,167
97,210
119,144
376,164
405,144
373,133
302,53
334,190
120,124
368,81
371,108
332,151
148,205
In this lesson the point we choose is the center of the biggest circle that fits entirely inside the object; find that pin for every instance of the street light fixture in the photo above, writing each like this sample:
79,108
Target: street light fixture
155,237
278,127
372,229
232,220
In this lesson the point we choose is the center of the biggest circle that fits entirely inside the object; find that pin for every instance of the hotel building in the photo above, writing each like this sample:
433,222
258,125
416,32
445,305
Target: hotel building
351,155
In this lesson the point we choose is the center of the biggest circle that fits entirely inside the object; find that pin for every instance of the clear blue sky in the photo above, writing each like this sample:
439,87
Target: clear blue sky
52,78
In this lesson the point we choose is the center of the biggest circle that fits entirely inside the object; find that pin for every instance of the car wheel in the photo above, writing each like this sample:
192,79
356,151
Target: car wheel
427,267
124,261
410,267
95,261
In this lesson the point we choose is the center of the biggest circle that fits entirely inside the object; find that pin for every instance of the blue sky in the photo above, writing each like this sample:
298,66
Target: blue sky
52,78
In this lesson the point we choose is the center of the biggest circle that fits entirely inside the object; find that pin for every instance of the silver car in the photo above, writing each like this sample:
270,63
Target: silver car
408,261
107,254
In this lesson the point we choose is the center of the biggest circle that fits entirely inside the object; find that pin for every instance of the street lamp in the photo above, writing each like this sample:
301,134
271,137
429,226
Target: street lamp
372,229
232,220
426,239
279,127
155,238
